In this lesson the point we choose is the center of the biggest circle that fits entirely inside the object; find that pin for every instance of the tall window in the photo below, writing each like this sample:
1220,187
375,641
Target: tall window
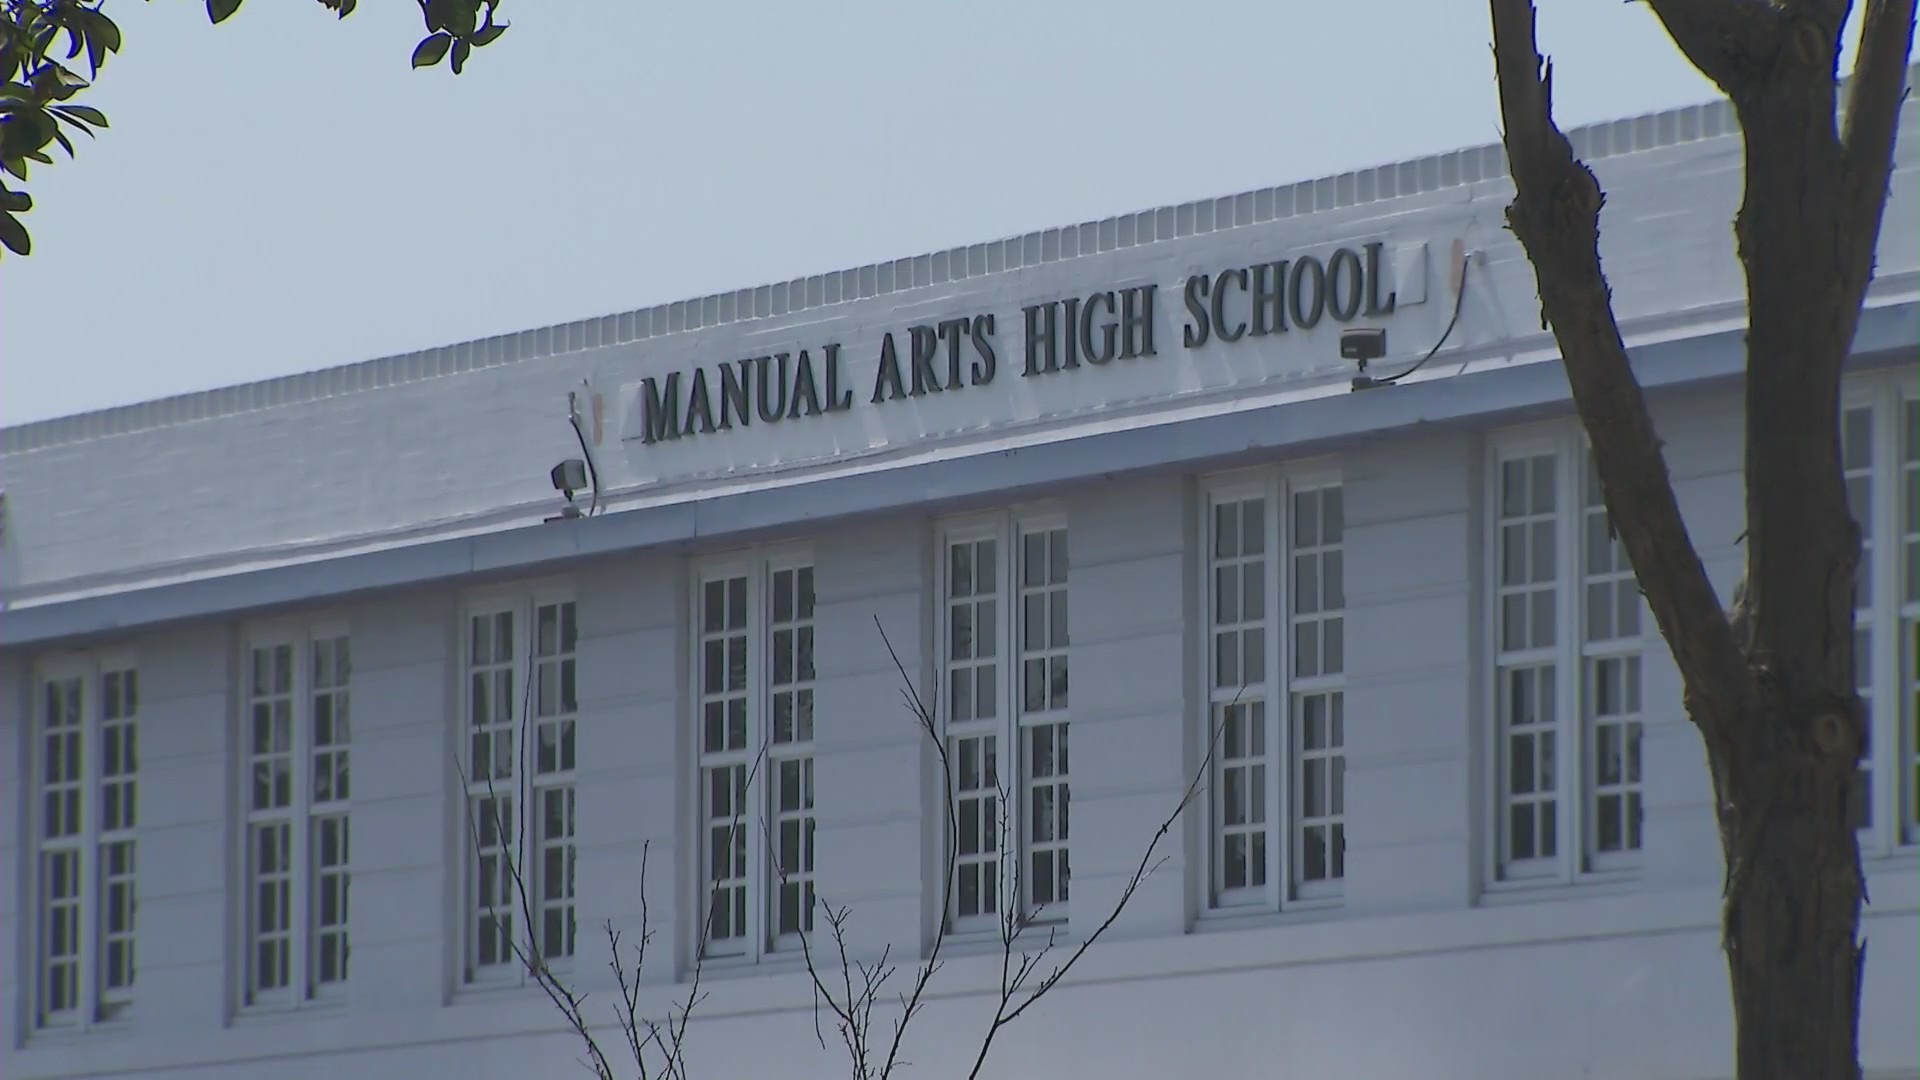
1568,626
519,757
1880,452
754,656
1276,648
1005,711
85,744
297,729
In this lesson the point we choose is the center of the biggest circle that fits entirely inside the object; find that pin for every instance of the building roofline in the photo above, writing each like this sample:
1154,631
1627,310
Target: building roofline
1437,172
1311,424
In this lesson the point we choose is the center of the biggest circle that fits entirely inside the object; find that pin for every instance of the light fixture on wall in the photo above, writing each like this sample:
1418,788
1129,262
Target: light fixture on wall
568,477
1360,345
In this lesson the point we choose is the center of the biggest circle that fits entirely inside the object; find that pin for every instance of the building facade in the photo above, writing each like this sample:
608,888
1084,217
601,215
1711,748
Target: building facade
295,673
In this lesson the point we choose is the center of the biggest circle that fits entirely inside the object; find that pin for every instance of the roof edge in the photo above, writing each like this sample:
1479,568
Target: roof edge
1592,142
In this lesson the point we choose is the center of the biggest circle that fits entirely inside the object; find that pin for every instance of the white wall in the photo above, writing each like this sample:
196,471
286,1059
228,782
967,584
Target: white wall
1415,977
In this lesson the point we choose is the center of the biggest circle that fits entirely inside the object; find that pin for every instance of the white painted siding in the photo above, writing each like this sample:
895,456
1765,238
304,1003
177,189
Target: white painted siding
1526,986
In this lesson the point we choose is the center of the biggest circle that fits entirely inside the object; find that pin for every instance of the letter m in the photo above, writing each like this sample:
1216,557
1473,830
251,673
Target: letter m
660,412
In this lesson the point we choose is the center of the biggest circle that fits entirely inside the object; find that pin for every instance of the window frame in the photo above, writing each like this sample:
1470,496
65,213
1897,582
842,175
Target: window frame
1888,614
95,1006
522,603
1007,528
1285,887
301,989
761,939
1576,859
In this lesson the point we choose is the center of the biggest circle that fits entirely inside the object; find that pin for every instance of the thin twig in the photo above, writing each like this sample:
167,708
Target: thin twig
1014,987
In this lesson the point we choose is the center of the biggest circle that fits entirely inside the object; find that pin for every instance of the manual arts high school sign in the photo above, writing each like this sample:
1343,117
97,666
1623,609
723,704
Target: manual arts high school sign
1058,336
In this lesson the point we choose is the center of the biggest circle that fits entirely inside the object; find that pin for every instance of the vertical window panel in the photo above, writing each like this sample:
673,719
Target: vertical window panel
85,766
1316,606
1006,698
520,751
755,667
296,725
790,756
1568,632
494,680
724,707
1526,623
1276,662
1045,787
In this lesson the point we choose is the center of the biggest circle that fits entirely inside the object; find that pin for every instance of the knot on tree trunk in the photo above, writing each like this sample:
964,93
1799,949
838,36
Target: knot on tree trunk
1833,737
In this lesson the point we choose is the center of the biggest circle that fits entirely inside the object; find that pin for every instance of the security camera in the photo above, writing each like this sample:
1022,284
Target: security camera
570,476
1360,346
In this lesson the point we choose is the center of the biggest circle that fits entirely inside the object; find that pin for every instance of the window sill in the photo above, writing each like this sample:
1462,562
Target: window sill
1898,858
1893,887
1299,912
495,989
784,962
269,1014
120,1027
988,942
1548,889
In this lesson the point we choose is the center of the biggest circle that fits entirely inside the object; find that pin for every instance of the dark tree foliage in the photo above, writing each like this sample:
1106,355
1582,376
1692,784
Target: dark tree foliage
51,51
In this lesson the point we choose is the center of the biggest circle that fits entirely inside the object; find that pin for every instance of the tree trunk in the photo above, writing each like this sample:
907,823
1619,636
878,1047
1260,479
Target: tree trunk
1793,901
1793,861
1770,684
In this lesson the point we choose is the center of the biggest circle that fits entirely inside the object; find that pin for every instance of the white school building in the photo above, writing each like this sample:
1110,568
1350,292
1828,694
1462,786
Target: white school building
267,651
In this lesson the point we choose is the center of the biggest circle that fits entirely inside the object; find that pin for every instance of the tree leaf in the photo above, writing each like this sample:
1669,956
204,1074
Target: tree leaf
489,34
27,130
461,50
432,49
65,143
15,201
14,235
108,31
220,10
87,113
14,165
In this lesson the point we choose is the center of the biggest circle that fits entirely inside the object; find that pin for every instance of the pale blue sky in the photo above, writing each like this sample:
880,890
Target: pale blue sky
282,193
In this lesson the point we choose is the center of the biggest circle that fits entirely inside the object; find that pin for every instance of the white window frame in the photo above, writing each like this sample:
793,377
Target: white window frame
1282,756
1889,614
522,605
95,1004
1011,724
311,807
766,766
1576,857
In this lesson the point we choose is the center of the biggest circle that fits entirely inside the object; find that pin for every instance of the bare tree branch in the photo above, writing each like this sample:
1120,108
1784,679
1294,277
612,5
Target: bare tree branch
1016,997
665,1039
860,987
912,1002
1556,216
528,954
1874,97
862,984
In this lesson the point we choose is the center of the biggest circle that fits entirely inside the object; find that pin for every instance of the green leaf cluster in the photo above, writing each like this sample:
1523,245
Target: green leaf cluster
454,29
53,50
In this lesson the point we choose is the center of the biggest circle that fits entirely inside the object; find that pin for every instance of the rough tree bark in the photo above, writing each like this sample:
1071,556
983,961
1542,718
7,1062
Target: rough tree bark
1769,683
